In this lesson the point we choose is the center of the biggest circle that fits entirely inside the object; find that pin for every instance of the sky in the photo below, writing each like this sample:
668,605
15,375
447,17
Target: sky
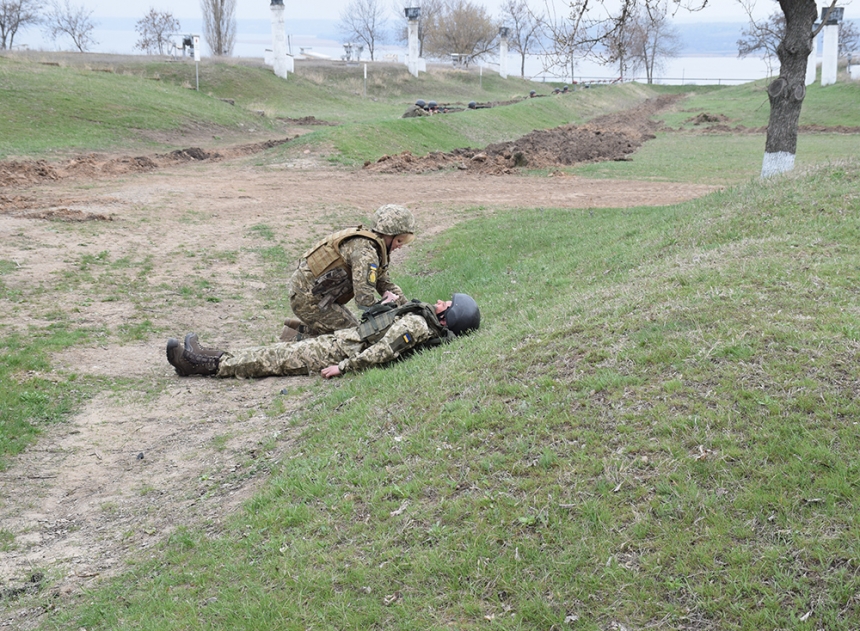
717,10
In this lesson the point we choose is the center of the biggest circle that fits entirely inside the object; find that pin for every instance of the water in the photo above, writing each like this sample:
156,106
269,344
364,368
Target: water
117,35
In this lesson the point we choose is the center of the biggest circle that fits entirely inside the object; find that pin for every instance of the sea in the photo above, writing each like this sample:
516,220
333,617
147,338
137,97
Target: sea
709,52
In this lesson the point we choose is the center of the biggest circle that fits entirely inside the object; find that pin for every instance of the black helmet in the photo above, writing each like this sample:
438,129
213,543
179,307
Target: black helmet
532,92
420,103
472,105
463,315
431,104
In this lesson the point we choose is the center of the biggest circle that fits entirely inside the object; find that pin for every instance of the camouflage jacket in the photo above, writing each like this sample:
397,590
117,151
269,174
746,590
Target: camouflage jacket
357,261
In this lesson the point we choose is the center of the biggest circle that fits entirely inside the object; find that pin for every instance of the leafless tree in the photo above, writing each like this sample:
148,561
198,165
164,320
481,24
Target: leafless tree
219,25
562,38
365,21
763,37
72,21
653,40
461,28
154,29
599,19
429,10
15,15
525,28
849,39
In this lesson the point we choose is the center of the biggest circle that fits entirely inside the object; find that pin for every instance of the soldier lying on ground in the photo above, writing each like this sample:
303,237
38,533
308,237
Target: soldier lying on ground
352,262
386,333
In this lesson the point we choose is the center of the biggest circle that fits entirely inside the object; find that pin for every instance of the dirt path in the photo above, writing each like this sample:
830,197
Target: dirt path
134,465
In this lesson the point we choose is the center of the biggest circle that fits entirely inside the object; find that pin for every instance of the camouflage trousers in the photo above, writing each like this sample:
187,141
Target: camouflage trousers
299,358
306,308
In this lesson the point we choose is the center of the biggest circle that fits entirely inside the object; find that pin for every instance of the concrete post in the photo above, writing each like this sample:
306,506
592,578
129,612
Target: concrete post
811,65
830,49
829,54
279,40
412,15
503,52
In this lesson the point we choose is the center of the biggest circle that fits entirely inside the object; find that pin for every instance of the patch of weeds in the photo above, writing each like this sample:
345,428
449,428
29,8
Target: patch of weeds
193,217
219,443
263,231
137,330
7,540
87,260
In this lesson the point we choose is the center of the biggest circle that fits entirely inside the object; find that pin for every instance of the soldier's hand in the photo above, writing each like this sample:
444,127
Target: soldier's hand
389,296
330,371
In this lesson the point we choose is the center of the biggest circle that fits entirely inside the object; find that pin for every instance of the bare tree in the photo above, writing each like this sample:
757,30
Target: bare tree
563,39
653,40
463,29
365,21
525,29
72,21
763,37
849,39
219,25
15,15
154,29
599,19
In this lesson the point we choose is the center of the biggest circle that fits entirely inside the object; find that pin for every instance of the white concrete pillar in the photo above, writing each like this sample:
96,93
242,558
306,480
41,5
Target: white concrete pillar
810,64
412,61
279,40
503,52
829,54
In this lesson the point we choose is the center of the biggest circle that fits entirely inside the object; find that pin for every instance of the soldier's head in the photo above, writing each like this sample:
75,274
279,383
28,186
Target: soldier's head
433,105
396,225
460,315
532,94
420,103
472,105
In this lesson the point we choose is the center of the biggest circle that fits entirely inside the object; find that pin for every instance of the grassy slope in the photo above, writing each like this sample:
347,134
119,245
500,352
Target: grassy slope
656,428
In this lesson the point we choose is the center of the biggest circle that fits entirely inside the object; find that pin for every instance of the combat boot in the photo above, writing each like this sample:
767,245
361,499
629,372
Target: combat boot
295,331
188,363
192,344
289,335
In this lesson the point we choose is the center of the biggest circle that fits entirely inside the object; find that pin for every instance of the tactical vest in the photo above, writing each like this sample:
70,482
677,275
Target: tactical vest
325,255
379,318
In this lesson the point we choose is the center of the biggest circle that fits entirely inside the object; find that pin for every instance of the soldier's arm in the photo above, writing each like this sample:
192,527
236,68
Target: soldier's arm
364,261
405,333
383,284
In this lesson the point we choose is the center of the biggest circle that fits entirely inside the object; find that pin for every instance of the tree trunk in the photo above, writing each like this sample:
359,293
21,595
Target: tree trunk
786,93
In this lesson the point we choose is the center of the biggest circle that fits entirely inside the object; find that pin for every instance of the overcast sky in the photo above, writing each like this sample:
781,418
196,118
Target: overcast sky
717,11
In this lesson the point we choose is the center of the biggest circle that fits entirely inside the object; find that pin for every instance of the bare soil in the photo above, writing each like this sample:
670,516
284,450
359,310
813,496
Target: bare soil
131,467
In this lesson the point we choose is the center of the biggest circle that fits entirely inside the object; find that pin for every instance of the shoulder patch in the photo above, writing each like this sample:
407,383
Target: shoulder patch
371,274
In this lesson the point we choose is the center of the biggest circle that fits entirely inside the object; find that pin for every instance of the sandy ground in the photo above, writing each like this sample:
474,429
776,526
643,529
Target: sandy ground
115,480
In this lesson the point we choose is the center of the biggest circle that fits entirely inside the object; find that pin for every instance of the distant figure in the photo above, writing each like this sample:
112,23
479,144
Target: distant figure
565,90
433,107
416,110
473,105
556,91
532,94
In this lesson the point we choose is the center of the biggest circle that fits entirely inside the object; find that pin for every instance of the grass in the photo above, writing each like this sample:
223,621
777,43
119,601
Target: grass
657,428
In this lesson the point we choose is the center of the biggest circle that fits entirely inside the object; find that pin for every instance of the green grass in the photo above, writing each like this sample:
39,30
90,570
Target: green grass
657,428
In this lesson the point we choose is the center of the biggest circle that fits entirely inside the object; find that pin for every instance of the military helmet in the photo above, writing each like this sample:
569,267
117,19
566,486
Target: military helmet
432,104
463,316
420,103
532,92
472,105
393,219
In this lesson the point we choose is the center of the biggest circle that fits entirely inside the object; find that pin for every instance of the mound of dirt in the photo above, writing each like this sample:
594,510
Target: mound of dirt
607,138
704,119
307,120
22,173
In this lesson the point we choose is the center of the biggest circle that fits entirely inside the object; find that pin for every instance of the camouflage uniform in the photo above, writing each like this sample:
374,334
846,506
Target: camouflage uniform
414,111
344,348
365,263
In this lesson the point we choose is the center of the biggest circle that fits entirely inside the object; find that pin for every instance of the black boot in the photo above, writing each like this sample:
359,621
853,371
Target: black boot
192,344
187,363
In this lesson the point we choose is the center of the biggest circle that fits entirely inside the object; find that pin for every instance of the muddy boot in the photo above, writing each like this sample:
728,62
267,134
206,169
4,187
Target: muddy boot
192,344
187,363
293,323
288,335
